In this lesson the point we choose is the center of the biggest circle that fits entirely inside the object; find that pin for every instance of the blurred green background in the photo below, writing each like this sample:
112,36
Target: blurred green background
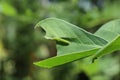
21,45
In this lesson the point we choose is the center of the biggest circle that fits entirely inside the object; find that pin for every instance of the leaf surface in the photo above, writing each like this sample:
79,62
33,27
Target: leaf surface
109,48
59,60
111,33
72,42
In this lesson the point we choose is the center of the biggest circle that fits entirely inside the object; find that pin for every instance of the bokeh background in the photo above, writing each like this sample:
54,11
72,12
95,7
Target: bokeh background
21,44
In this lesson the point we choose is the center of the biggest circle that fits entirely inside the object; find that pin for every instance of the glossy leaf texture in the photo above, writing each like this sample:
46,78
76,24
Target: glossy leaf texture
73,42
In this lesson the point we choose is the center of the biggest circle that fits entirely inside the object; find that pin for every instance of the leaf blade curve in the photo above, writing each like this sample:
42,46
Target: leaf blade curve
110,30
59,60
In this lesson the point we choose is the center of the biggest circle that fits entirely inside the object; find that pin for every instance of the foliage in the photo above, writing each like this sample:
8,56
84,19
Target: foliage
21,45
74,43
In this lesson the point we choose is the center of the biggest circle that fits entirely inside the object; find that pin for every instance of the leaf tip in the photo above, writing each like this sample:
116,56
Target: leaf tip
39,64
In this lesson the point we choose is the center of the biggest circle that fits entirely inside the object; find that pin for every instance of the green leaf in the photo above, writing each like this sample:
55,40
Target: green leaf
111,33
72,42
59,60
110,30
109,48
